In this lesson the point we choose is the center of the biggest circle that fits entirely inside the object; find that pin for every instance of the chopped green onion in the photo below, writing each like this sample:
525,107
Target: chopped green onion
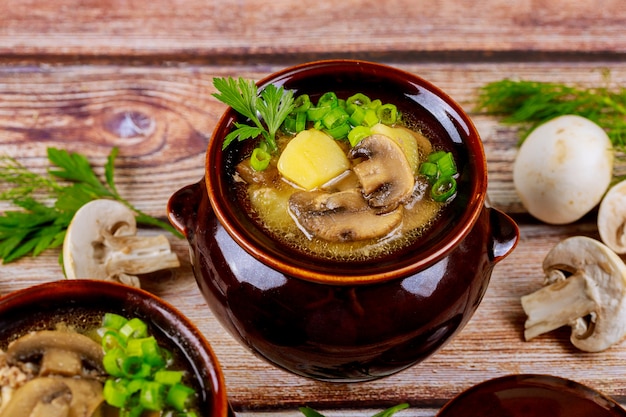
112,361
301,120
113,321
337,116
446,165
167,377
315,114
430,171
357,116
328,99
375,104
443,189
387,114
260,159
179,396
134,328
358,133
301,104
115,392
289,124
340,131
435,156
370,118
112,339
358,100
152,396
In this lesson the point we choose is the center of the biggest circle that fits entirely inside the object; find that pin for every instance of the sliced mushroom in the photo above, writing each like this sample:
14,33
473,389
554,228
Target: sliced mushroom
101,243
77,348
384,173
592,300
342,216
39,395
86,396
612,218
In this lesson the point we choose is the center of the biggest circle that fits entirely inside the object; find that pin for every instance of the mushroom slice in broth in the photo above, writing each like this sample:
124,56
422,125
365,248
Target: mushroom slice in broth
384,172
342,216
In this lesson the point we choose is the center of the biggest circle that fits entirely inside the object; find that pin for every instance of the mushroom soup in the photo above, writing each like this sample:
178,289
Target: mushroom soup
349,198
54,367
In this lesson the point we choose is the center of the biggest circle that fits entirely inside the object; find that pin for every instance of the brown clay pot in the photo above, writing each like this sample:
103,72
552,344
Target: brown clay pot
346,321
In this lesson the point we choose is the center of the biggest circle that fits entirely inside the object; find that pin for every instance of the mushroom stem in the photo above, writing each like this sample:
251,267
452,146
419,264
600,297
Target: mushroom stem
139,254
557,305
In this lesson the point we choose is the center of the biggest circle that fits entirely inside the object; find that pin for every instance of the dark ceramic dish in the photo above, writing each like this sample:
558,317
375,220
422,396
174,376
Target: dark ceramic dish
82,303
531,396
346,321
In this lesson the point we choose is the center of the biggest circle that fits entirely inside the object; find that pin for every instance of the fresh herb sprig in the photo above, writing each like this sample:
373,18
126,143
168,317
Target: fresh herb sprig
531,103
310,412
48,202
267,111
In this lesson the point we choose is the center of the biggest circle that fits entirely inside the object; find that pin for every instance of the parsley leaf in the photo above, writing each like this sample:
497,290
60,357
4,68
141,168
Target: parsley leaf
38,226
266,111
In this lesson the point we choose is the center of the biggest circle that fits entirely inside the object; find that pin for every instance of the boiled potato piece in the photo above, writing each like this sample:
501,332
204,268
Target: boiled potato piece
406,139
311,159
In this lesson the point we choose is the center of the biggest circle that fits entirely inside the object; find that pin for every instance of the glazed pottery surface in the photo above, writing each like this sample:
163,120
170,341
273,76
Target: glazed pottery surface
82,303
529,395
346,321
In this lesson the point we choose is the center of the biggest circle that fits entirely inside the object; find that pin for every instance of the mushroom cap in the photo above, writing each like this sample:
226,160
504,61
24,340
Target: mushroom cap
612,218
604,275
83,248
342,216
385,173
37,343
563,168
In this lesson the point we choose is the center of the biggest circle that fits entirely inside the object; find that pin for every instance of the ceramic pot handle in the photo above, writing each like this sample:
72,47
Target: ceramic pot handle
182,207
504,234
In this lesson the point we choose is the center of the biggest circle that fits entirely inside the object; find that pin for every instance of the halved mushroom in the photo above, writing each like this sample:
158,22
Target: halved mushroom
612,218
61,352
49,397
341,216
592,300
384,173
101,243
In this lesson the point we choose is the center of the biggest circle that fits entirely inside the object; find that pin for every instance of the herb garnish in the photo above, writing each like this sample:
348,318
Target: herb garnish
267,111
40,226
531,103
309,412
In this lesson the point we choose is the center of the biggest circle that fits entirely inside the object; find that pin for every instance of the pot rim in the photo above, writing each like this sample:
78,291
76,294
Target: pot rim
466,222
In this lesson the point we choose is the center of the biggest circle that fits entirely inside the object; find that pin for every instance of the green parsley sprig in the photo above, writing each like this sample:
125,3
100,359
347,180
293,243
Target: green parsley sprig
310,412
48,203
267,111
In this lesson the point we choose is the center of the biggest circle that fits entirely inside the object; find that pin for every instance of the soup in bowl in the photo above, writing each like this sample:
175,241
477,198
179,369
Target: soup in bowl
55,360
345,256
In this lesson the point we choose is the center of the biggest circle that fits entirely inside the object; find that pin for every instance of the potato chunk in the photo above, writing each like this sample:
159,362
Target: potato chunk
311,159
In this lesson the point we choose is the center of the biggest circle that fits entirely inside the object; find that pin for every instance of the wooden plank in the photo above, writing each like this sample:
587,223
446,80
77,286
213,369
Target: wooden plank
246,30
83,108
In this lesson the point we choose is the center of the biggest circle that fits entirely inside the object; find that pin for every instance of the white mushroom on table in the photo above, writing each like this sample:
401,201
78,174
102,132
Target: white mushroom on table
586,290
102,243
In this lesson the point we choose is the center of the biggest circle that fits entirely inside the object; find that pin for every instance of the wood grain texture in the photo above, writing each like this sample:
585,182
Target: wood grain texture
247,29
161,119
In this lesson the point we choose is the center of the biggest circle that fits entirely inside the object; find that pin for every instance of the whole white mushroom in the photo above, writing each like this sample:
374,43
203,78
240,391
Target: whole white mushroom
563,169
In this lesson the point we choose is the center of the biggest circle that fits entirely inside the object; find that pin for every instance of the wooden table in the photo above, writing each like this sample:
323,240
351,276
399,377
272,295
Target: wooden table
71,69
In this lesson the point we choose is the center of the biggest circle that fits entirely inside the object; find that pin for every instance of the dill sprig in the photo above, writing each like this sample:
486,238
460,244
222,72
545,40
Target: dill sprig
531,103
47,203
